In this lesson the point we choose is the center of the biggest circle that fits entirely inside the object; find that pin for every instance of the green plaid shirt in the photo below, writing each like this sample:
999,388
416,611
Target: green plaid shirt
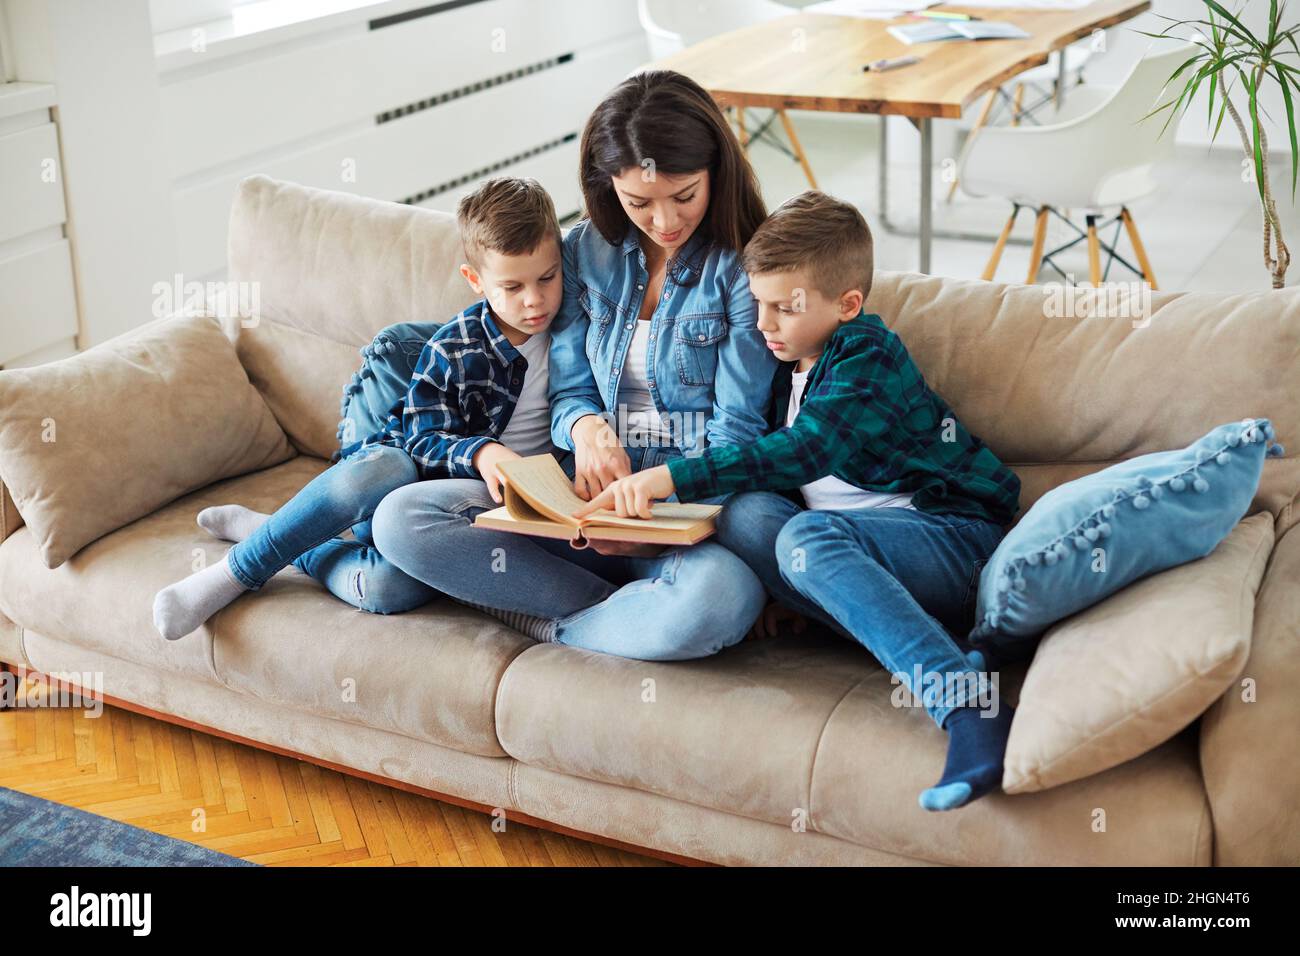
868,418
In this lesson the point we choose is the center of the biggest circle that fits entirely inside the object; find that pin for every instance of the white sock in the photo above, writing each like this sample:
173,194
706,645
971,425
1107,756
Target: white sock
231,522
181,608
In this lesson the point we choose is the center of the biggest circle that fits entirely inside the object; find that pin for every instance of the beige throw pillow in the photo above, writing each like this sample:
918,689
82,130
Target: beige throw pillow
93,442
1125,675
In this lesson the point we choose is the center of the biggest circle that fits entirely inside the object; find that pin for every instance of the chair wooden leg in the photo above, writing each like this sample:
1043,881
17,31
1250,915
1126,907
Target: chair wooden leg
1133,237
798,148
1036,252
1001,244
965,147
1015,104
1094,253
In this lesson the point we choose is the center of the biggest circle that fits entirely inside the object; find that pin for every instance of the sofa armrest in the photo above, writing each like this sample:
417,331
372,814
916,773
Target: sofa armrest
1248,752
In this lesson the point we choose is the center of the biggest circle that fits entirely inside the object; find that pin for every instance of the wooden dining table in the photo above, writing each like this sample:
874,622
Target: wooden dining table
813,61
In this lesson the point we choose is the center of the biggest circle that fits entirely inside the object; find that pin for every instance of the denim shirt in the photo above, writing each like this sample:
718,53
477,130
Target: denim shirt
710,372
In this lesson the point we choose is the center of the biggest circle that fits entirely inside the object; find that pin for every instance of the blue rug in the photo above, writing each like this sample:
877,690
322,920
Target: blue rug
36,832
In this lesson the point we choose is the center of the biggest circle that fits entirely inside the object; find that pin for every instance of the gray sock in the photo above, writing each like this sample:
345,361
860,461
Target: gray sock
231,522
538,628
181,608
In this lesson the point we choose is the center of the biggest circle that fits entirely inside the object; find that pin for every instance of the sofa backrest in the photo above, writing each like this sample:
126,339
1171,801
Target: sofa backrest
331,269
1058,384
1061,384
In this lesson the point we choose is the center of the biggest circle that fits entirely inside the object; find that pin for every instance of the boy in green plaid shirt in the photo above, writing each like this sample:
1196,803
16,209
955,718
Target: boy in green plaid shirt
869,507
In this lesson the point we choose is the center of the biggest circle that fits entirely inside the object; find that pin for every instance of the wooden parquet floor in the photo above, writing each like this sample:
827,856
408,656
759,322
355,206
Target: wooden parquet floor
260,806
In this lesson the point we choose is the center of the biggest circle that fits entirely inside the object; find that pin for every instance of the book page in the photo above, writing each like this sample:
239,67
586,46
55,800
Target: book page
541,482
667,514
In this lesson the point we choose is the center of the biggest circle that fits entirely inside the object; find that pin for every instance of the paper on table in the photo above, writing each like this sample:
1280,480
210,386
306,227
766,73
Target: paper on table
1026,4
868,9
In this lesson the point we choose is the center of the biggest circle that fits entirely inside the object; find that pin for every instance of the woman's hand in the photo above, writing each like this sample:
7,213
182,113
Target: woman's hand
486,460
627,549
769,622
632,496
599,459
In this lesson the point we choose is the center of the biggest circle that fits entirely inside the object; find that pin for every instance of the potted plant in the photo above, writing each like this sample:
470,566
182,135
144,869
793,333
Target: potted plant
1228,53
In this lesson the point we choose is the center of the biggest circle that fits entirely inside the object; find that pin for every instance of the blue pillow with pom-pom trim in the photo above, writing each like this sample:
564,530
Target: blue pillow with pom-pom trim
387,365
1086,539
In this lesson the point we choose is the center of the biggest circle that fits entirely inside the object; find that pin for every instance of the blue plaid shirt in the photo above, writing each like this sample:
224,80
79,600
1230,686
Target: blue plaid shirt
462,394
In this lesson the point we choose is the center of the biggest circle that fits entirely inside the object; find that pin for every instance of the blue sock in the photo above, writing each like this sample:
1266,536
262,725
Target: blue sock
976,746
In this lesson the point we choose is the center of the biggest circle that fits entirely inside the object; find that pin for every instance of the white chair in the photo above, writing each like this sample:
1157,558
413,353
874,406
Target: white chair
1047,84
673,25
1103,159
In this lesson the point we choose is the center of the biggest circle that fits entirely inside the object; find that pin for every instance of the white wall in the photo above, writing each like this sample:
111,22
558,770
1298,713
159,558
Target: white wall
99,58
162,106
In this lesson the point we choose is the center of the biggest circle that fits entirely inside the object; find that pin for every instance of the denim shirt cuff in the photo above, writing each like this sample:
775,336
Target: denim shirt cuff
566,414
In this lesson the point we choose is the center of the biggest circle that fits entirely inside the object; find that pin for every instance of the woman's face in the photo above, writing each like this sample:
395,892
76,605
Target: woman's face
666,207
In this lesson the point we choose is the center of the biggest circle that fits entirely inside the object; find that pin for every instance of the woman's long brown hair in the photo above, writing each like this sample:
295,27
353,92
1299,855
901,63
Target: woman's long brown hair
669,120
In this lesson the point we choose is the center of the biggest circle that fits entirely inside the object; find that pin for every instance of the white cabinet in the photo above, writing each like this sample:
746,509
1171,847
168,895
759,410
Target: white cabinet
38,304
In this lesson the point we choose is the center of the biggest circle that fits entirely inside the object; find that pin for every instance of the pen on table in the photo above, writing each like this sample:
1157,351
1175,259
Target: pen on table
879,66
942,15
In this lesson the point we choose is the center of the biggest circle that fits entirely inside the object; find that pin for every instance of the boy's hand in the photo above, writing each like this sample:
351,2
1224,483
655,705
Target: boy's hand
631,496
598,458
486,460
770,620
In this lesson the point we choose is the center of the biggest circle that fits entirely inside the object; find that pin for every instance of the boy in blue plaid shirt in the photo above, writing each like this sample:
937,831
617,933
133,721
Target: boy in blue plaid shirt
478,396
869,508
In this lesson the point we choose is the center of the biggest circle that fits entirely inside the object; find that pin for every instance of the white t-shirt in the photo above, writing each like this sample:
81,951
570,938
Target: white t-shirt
529,429
831,493
641,421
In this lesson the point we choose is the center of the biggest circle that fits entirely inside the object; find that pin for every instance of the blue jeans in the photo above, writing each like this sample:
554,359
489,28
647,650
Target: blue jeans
304,533
902,583
682,604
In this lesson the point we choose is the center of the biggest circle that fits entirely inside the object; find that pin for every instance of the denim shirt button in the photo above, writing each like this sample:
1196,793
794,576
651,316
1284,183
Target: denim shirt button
702,338
639,287
628,326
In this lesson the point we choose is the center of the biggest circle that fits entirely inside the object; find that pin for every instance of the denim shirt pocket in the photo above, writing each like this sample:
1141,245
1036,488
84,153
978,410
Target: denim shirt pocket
600,314
695,347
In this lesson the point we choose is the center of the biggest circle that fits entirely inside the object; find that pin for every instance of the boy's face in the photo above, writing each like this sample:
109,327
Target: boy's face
795,318
524,291
666,207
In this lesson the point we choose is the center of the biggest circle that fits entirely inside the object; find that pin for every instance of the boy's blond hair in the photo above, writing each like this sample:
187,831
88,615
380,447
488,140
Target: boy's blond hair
507,215
819,234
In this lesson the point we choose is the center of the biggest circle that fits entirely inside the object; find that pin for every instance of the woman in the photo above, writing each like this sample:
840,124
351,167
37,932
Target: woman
655,354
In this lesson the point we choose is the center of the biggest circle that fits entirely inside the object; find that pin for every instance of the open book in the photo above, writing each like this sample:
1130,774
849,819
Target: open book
539,499
932,30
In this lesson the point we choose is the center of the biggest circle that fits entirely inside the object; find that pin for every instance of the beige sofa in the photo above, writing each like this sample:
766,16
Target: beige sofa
783,751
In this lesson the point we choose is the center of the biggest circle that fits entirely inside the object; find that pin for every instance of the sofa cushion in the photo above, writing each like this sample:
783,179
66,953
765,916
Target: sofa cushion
92,442
300,376
1127,674
802,731
1086,539
430,674
102,598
